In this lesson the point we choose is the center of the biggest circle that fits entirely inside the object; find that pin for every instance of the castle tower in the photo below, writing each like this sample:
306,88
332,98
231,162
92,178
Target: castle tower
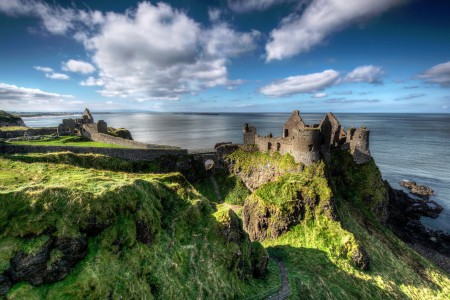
306,145
249,134
294,122
358,140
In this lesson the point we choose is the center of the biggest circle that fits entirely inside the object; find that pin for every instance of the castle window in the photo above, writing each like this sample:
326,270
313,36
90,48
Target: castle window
278,146
310,147
269,146
286,132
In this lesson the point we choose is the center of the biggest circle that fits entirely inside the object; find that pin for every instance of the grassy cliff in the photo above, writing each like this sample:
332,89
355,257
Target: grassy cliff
331,237
71,230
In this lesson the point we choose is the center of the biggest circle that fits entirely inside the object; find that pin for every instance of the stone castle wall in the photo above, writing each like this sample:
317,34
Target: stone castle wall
29,131
90,131
123,153
267,144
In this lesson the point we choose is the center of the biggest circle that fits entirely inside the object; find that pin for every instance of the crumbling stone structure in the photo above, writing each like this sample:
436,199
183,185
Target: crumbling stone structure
308,143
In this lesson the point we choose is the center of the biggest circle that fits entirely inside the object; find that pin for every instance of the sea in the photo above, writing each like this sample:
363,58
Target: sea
405,146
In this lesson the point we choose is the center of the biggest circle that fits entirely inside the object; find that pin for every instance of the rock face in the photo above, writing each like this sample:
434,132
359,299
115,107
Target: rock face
120,132
7,119
249,258
268,222
404,218
51,263
419,190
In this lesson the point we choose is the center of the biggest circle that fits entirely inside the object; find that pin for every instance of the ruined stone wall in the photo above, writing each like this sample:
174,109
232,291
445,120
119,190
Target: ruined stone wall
271,144
358,140
90,131
128,154
249,134
306,146
294,122
29,131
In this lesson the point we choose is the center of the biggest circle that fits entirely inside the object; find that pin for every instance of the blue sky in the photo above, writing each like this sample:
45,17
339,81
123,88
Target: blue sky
226,56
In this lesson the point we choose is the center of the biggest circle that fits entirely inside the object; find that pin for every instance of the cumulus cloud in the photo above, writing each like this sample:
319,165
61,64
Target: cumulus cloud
301,84
241,6
78,66
439,74
298,33
49,73
151,52
369,74
165,53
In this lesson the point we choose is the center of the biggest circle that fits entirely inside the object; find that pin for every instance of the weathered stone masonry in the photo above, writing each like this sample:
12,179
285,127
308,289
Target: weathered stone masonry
308,143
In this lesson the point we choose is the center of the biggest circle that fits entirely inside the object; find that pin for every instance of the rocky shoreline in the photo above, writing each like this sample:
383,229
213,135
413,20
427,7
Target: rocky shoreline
404,219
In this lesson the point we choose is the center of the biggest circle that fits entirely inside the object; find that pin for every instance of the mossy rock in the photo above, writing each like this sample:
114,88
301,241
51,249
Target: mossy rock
120,132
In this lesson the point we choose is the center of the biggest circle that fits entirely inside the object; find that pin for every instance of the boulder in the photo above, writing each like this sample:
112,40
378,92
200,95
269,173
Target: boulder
419,190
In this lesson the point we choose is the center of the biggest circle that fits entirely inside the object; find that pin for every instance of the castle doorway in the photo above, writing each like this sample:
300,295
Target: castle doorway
269,146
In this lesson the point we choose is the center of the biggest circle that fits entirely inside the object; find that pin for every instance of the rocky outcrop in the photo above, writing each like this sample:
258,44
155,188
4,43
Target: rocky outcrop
404,218
249,258
419,190
51,263
7,119
263,221
120,132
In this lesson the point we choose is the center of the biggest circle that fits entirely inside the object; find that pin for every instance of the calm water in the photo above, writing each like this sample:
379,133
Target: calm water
405,146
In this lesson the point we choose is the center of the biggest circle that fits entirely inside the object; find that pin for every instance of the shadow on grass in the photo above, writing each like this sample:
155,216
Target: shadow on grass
313,275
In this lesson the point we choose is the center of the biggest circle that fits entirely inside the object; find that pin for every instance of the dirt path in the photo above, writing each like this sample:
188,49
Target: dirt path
285,290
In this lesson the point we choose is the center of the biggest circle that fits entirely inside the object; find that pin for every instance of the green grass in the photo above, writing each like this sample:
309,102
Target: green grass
317,251
71,141
245,161
231,188
188,258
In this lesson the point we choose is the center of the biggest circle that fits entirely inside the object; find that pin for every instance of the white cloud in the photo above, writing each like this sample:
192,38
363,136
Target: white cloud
152,52
78,66
55,19
91,81
299,33
301,84
16,98
222,41
214,14
439,74
165,54
241,6
369,74
43,69
57,76
320,95
49,73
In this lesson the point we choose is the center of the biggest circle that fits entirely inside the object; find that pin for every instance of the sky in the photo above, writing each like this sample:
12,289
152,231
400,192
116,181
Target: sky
226,55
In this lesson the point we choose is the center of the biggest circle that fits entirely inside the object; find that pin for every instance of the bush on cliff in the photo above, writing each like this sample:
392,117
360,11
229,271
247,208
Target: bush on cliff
120,132
79,233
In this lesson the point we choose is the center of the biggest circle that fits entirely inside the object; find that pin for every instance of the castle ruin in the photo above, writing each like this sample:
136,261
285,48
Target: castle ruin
308,143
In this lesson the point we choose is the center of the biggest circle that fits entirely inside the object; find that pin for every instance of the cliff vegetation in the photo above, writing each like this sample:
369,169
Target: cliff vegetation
88,227
326,224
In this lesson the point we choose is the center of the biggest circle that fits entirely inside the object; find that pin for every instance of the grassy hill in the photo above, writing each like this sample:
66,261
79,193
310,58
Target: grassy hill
83,233
331,239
